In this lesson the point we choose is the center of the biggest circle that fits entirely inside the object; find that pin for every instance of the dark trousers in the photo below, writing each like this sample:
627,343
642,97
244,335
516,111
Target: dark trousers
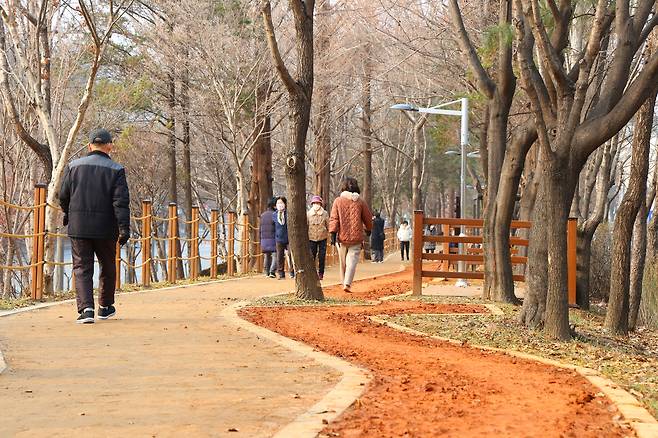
82,252
404,247
319,250
281,260
269,266
378,255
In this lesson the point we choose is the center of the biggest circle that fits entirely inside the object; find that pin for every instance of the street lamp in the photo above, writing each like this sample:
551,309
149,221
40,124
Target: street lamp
463,113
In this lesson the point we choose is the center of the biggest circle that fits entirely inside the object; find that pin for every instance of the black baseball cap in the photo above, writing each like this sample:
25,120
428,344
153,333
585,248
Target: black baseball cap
100,136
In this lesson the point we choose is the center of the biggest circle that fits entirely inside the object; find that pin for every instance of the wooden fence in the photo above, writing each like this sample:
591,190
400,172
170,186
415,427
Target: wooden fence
228,233
469,237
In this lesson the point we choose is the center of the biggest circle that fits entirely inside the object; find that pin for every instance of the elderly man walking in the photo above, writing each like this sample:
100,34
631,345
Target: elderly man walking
96,202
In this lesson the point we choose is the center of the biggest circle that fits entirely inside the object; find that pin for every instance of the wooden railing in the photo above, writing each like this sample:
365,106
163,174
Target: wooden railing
157,239
473,256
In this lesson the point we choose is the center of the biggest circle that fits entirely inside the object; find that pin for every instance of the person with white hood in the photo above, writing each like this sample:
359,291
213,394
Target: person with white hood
404,236
318,232
349,216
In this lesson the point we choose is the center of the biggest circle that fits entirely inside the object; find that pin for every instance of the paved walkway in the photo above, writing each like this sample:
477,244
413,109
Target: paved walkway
167,365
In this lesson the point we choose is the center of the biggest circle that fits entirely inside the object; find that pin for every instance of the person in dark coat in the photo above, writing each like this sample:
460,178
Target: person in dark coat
281,237
377,239
96,203
267,238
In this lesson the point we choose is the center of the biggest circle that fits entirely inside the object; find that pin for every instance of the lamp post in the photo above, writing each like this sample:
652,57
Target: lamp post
463,113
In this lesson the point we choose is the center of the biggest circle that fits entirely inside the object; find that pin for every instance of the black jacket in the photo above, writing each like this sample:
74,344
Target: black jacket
377,237
94,196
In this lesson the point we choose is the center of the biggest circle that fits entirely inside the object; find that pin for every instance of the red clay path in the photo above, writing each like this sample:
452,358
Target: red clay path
427,388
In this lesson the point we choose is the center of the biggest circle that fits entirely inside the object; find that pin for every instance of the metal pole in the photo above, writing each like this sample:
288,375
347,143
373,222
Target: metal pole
462,187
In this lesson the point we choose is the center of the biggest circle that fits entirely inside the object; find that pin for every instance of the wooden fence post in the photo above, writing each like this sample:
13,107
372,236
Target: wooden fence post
214,220
245,244
418,253
259,248
172,257
117,266
38,230
230,263
41,239
146,243
446,247
572,230
194,249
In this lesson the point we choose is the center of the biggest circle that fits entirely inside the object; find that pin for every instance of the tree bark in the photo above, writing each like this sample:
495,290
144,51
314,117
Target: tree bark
186,140
559,192
638,258
587,228
322,158
261,177
300,92
173,165
618,304
534,302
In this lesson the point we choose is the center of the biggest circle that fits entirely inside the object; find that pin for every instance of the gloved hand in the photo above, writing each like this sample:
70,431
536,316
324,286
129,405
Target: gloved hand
124,235
65,221
333,239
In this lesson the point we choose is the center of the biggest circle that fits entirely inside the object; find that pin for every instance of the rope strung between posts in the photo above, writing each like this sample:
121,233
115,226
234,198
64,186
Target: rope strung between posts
157,259
21,236
141,218
56,207
21,267
209,223
187,259
47,262
20,207
141,265
164,219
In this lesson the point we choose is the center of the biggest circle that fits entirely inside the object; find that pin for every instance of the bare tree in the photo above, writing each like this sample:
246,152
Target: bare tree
300,92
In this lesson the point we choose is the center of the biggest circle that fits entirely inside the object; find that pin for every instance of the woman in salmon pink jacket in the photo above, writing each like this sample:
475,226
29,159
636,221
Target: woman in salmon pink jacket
350,217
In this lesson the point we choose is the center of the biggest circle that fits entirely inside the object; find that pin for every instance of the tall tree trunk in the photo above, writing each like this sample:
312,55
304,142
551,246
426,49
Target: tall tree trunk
416,165
638,257
499,108
616,319
534,303
186,140
261,178
557,306
367,138
173,165
300,91
587,228
322,159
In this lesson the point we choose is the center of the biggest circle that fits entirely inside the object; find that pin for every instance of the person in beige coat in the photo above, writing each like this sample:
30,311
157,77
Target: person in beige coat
318,232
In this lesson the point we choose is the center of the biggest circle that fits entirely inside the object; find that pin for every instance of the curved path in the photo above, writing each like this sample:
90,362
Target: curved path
168,365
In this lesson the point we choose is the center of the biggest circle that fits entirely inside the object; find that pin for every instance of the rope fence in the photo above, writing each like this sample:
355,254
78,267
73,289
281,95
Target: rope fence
238,239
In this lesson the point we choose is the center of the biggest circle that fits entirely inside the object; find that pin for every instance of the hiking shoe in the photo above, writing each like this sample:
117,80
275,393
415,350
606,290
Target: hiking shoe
271,275
106,312
347,289
292,275
86,316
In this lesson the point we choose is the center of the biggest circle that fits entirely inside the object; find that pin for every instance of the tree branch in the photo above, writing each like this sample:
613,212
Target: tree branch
290,84
485,84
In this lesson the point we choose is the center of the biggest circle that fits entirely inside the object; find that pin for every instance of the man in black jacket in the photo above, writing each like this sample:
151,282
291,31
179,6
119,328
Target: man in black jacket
96,203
